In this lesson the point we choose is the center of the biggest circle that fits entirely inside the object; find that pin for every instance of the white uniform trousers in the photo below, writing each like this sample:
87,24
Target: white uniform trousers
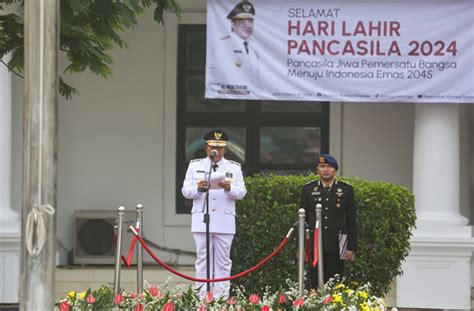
220,262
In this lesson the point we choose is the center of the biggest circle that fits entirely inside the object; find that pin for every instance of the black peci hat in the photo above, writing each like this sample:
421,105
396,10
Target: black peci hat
216,138
242,10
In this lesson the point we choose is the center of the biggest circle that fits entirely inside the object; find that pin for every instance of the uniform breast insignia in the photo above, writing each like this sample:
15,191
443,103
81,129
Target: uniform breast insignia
339,192
338,205
238,51
195,160
228,176
235,162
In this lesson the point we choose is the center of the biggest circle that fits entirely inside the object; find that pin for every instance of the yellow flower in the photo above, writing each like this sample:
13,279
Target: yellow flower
81,295
336,298
339,286
363,294
364,307
71,294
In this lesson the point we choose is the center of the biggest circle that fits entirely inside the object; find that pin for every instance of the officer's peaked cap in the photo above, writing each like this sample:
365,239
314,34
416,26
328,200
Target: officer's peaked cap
325,158
242,10
216,138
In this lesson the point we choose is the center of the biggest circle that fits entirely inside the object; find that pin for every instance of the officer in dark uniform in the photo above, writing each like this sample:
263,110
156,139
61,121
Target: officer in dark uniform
338,217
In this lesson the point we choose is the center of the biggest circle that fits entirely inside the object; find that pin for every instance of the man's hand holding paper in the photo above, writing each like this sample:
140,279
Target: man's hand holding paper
218,181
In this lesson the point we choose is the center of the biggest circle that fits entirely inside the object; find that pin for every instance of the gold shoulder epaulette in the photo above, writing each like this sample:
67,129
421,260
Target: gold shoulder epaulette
310,182
235,162
195,160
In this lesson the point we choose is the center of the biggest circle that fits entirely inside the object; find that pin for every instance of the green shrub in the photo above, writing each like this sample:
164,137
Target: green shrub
385,214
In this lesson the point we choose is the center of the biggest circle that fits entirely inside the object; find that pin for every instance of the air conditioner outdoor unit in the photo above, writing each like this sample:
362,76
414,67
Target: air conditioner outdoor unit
94,236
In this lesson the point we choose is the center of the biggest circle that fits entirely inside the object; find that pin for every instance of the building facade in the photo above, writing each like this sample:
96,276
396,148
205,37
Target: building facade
127,140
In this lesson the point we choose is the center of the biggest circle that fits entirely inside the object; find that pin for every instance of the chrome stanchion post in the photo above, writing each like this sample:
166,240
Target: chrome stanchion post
118,252
139,249
319,208
301,217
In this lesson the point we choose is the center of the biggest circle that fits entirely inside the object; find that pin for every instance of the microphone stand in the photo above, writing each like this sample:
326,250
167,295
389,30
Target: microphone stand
206,220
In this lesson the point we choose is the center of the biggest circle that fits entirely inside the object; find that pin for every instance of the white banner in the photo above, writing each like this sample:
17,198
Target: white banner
341,50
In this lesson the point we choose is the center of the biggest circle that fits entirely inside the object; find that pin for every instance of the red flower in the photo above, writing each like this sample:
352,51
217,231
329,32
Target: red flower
281,298
298,302
327,300
209,297
153,291
231,301
118,299
254,299
141,296
202,308
169,306
265,308
90,299
132,295
138,307
64,306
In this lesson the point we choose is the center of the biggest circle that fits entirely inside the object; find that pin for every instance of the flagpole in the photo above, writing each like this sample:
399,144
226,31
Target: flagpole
39,155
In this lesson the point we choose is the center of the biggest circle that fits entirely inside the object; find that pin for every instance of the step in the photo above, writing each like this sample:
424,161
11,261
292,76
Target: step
391,299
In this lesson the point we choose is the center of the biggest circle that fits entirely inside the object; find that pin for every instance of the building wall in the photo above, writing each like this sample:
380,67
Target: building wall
117,139
377,141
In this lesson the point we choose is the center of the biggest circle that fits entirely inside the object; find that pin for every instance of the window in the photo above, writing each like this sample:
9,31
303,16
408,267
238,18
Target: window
265,136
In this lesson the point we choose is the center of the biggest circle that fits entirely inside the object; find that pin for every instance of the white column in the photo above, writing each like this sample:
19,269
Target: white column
436,274
436,166
10,227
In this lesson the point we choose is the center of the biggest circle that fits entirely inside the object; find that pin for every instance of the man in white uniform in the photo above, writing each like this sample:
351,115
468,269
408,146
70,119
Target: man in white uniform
227,186
234,65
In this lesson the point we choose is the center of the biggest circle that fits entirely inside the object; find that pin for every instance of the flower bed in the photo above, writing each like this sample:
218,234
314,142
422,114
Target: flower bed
335,296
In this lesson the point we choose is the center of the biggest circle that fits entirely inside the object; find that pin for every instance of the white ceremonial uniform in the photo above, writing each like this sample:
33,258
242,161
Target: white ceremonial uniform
232,70
222,220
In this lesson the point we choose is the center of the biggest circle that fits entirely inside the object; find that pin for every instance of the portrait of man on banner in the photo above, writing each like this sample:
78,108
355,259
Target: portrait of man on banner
233,65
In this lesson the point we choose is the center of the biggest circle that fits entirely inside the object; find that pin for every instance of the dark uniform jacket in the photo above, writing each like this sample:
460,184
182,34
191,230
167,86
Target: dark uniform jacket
338,213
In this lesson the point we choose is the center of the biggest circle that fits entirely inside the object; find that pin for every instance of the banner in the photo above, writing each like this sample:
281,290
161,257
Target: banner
341,50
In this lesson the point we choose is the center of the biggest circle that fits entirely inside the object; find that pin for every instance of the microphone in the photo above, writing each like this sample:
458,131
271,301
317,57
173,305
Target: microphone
213,154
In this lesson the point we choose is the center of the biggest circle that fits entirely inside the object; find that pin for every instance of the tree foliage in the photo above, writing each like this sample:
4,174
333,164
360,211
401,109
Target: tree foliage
89,29
385,216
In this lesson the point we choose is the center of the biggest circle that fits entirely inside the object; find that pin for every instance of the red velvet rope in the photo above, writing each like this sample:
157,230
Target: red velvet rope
315,246
128,261
164,265
313,262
